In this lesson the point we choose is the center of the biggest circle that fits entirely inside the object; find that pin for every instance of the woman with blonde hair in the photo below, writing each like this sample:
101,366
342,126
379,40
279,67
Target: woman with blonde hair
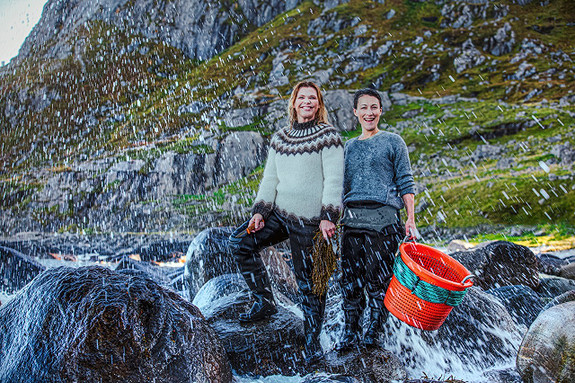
300,193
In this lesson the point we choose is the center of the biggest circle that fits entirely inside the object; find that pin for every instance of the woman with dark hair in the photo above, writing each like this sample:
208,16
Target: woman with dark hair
378,183
300,193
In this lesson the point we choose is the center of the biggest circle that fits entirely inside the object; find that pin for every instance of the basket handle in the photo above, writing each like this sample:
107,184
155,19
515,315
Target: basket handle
468,278
405,239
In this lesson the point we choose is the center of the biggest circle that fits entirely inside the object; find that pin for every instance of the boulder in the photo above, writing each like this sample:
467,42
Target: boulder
520,301
207,257
567,271
16,270
551,287
550,263
547,352
95,325
563,298
262,348
238,155
501,263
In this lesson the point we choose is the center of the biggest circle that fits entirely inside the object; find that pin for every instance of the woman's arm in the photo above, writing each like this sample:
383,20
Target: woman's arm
267,191
410,229
332,166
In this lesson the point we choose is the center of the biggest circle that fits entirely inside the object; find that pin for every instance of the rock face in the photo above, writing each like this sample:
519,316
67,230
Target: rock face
92,324
501,263
199,28
132,195
547,353
16,270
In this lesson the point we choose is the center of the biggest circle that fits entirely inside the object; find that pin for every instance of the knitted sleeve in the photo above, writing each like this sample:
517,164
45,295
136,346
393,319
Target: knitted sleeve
264,202
332,165
403,174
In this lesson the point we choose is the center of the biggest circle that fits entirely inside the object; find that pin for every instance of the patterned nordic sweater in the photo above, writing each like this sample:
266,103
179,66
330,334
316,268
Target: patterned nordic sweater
303,176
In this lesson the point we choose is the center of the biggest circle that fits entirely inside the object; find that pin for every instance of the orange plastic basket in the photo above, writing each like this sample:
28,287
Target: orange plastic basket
439,272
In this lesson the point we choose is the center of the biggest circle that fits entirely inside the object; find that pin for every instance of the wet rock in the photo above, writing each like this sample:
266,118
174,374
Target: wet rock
550,264
480,316
563,298
95,325
371,366
207,257
551,287
567,271
520,301
262,348
16,270
474,319
501,263
547,352
163,250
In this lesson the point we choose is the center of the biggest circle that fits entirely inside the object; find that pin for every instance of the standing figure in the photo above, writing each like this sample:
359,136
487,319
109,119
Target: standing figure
300,193
378,183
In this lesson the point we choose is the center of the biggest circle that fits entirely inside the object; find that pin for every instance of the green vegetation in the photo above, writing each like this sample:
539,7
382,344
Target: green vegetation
242,192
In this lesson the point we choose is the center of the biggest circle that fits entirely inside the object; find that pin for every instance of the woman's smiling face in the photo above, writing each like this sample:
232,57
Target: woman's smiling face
368,112
306,104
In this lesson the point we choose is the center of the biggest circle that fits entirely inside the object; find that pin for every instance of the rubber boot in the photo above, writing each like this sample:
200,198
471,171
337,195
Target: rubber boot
376,320
313,307
312,347
351,331
264,306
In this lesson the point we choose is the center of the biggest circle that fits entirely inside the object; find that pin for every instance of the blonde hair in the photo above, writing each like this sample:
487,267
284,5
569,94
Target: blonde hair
321,115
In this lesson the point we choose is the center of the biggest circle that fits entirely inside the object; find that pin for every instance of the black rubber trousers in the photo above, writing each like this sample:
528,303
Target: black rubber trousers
367,265
246,249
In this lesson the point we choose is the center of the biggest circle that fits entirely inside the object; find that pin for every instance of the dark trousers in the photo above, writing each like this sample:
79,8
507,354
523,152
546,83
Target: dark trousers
367,265
246,249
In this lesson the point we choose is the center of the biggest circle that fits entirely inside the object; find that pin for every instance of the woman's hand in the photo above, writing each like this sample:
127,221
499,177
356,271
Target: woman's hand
256,223
410,229
327,228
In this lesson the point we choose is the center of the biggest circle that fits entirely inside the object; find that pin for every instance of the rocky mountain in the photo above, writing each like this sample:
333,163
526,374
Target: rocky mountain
141,115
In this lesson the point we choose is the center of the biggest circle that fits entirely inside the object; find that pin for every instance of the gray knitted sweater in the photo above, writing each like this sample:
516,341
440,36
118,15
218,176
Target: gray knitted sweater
377,169
303,176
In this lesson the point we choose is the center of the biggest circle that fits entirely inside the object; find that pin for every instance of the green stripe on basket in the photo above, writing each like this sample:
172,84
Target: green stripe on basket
423,289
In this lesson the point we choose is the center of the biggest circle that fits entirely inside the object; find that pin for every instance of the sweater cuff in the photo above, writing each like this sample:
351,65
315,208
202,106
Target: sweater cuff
263,208
330,213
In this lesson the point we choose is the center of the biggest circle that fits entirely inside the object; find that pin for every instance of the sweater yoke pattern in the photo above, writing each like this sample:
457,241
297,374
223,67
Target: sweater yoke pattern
311,140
